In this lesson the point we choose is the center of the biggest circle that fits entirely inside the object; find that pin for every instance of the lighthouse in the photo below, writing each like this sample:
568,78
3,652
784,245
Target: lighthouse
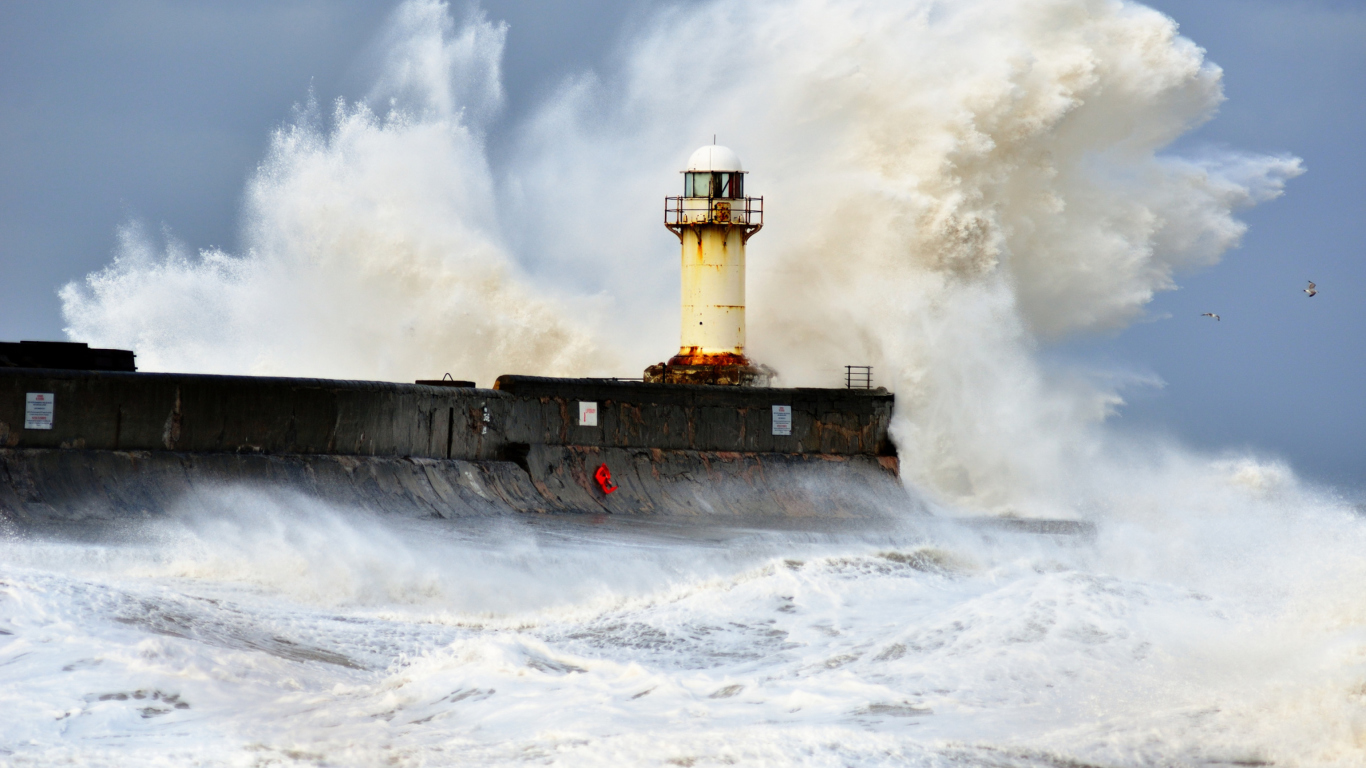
713,220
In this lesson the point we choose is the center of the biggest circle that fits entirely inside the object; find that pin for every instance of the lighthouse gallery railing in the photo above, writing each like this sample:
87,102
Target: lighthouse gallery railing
683,212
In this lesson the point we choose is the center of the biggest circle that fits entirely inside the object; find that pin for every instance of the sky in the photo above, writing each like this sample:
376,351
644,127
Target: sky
159,112
1280,373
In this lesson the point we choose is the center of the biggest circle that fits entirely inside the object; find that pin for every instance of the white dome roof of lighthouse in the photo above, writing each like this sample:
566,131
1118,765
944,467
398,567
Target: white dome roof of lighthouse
714,157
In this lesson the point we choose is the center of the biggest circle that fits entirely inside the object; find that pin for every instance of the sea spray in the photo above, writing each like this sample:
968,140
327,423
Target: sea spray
372,249
949,184
224,635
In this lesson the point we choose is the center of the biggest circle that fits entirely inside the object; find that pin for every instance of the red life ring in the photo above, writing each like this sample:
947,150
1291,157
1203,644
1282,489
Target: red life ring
604,478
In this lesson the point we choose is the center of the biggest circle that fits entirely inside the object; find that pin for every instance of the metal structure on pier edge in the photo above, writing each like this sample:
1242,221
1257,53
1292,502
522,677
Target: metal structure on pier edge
713,221
858,377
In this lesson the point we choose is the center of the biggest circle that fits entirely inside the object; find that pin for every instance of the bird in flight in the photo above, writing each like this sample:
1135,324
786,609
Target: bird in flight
1209,314
1312,289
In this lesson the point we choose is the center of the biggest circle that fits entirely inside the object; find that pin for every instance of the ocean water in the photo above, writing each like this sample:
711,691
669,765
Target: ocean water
267,630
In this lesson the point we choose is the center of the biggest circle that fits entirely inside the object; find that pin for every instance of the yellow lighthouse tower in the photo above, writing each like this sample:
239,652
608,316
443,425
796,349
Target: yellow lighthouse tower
713,220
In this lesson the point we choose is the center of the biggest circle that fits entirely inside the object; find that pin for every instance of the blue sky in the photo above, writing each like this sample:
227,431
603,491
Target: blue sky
159,111
1280,372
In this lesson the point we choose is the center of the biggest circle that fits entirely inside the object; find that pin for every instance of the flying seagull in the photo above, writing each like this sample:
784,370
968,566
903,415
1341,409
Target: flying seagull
1312,289
1209,314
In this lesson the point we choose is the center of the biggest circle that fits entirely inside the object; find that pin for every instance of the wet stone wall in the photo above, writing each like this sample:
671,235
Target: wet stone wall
239,414
704,418
126,445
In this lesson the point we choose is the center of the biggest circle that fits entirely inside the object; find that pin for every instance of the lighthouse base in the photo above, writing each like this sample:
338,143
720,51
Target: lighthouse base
724,370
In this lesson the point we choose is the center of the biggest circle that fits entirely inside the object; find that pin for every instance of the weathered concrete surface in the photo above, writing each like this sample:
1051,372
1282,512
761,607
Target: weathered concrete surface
675,416
242,414
699,483
47,487
137,443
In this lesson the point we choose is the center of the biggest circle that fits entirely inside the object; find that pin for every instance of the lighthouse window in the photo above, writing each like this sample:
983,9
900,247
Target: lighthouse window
714,185
730,185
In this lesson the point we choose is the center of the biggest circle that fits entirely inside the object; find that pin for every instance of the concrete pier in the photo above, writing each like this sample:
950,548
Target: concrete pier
122,444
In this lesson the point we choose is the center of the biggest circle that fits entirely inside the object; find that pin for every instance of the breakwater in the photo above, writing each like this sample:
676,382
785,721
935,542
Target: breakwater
111,445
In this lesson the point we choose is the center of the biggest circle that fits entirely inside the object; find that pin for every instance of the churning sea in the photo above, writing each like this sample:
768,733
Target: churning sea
266,630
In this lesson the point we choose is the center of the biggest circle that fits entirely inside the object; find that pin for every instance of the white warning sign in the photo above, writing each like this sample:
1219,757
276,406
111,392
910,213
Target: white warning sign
38,410
588,414
782,419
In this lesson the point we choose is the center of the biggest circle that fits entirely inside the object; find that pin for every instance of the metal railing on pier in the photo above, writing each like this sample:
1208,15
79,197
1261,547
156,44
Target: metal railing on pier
858,377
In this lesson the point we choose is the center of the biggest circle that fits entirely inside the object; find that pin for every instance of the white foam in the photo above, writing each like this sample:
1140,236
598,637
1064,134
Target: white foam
940,644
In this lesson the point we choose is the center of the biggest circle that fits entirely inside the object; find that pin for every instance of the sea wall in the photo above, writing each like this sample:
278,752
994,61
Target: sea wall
46,488
840,422
133,444
243,414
